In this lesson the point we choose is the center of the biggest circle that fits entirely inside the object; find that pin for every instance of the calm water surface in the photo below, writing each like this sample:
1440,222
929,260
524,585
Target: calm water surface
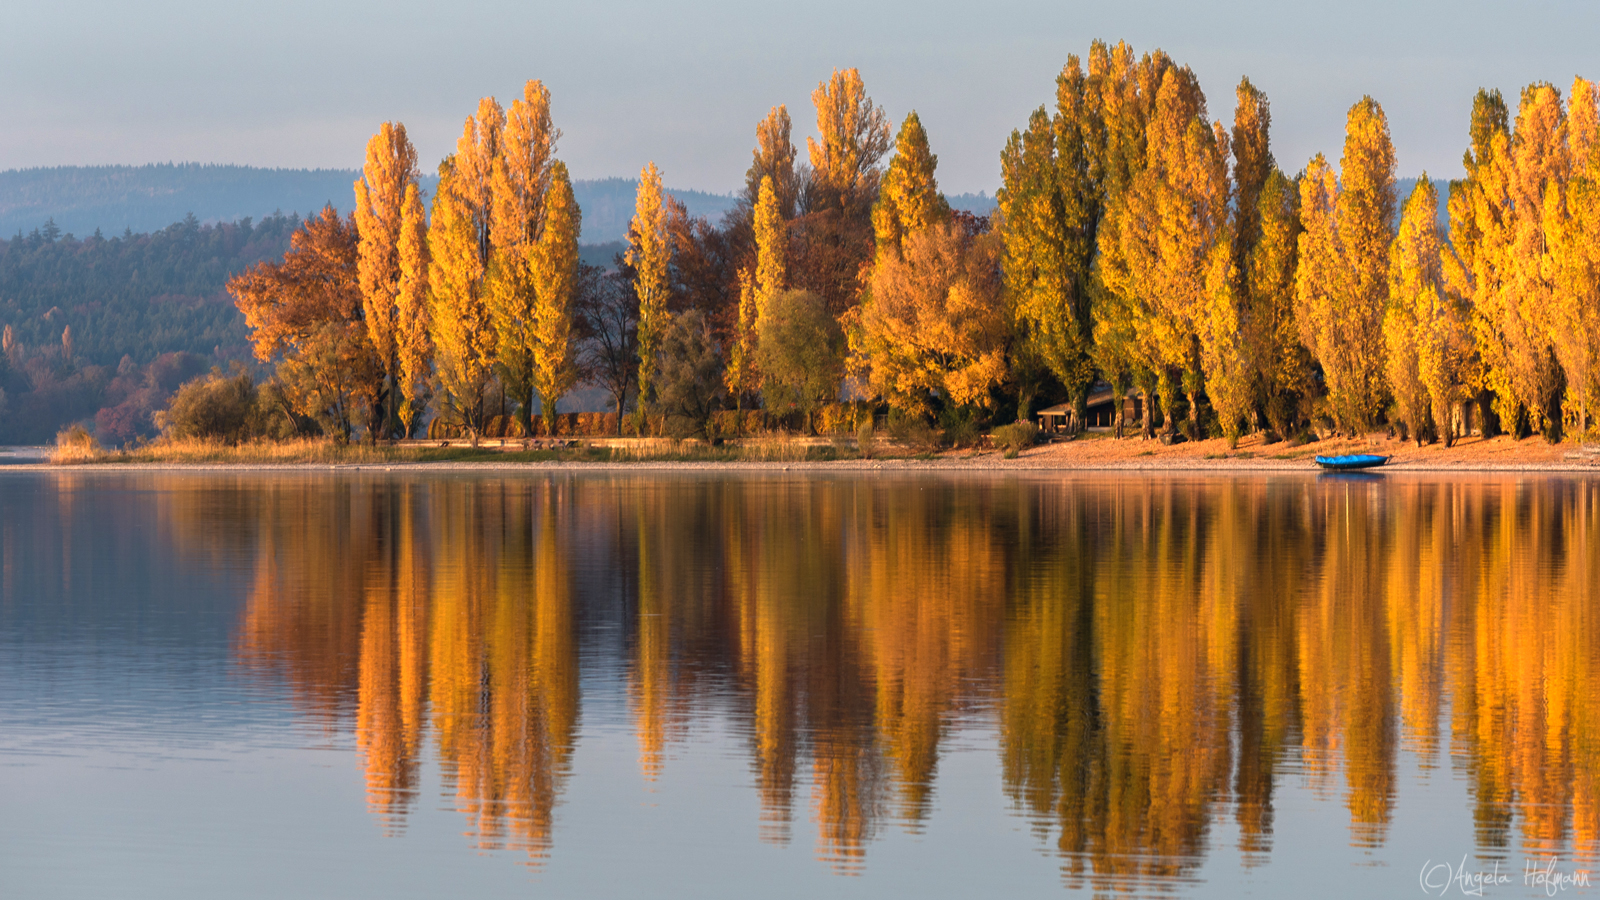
552,685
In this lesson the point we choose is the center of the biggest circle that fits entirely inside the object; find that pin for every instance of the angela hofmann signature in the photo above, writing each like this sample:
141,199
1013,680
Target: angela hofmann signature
1440,878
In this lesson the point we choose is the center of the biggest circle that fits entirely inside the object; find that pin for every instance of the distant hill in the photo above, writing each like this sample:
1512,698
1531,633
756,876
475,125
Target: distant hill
979,204
143,199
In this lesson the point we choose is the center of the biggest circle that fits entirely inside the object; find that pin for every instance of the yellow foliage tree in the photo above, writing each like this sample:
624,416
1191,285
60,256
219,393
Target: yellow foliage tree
391,169
1572,223
522,175
934,320
1159,239
460,248
1424,327
555,276
773,158
854,137
772,250
909,198
1342,286
1284,365
1512,285
414,344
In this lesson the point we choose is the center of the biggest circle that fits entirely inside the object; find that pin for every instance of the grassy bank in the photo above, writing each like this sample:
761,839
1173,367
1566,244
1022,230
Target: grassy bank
322,452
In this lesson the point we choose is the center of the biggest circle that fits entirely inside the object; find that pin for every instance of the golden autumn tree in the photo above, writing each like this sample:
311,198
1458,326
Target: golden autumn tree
1572,222
1342,285
413,340
854,137
522,173
1159,238
772,251
1424,329
908,198
650,254
935,320
1512,285
774,158
1120,100
555,277
1283,374
757,291
390,170
460,247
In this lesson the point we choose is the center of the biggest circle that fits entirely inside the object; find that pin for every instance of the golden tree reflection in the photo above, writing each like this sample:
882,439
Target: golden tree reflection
1158,654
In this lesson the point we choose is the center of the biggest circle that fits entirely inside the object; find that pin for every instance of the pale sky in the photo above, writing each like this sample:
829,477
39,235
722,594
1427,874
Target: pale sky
304,83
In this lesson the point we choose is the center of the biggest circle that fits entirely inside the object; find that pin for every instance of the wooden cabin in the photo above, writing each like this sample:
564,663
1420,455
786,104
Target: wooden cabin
1100,413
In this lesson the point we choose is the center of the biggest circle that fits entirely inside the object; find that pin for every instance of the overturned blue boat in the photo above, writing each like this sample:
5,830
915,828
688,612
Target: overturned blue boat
1351,461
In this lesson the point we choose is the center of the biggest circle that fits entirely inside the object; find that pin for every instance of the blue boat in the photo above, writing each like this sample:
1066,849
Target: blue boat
1351,461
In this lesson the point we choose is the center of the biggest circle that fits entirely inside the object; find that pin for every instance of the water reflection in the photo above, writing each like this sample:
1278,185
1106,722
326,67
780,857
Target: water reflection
1158,656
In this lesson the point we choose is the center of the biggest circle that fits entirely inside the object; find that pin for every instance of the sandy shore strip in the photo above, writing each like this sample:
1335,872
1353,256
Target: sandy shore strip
1088,453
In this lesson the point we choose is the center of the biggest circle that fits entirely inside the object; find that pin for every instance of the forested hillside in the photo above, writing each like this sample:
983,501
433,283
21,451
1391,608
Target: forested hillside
90,323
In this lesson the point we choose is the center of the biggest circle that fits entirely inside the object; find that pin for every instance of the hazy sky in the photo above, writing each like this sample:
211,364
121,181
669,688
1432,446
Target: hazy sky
304,83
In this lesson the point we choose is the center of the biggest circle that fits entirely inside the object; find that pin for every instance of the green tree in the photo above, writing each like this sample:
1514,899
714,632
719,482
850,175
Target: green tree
650,254
688,375
801,354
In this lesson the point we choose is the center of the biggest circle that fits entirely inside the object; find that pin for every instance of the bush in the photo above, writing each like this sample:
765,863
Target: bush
215,406
74,444
960,425
911,431
1015,438
866,439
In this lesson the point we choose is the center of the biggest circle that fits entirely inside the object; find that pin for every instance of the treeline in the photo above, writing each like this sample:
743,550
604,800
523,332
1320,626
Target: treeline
1138,244
89,324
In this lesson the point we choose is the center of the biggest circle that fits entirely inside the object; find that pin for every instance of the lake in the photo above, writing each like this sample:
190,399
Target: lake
612,683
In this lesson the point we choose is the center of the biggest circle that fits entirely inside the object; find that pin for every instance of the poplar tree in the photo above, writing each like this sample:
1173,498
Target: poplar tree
1572,224
854,137
1050,207
772,248
1512,286
1489,118
1120,96
1158,240
774,158
1418,313
1342,287
1283,373
460,248
1366,208
522,174
414,345
554,270
740,375
650,255
909,198
1319,273
390,170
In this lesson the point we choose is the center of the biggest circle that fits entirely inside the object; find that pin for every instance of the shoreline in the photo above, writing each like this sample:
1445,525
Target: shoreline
1088,454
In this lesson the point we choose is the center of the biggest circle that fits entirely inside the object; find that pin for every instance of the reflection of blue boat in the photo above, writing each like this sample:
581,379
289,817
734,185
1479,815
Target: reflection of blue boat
1350,477
1351,461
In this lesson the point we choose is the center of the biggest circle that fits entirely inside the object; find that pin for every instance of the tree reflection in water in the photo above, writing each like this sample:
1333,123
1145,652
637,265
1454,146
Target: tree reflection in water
1156,654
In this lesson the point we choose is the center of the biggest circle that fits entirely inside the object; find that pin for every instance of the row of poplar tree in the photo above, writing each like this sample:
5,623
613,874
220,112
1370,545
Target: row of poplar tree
1136,244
